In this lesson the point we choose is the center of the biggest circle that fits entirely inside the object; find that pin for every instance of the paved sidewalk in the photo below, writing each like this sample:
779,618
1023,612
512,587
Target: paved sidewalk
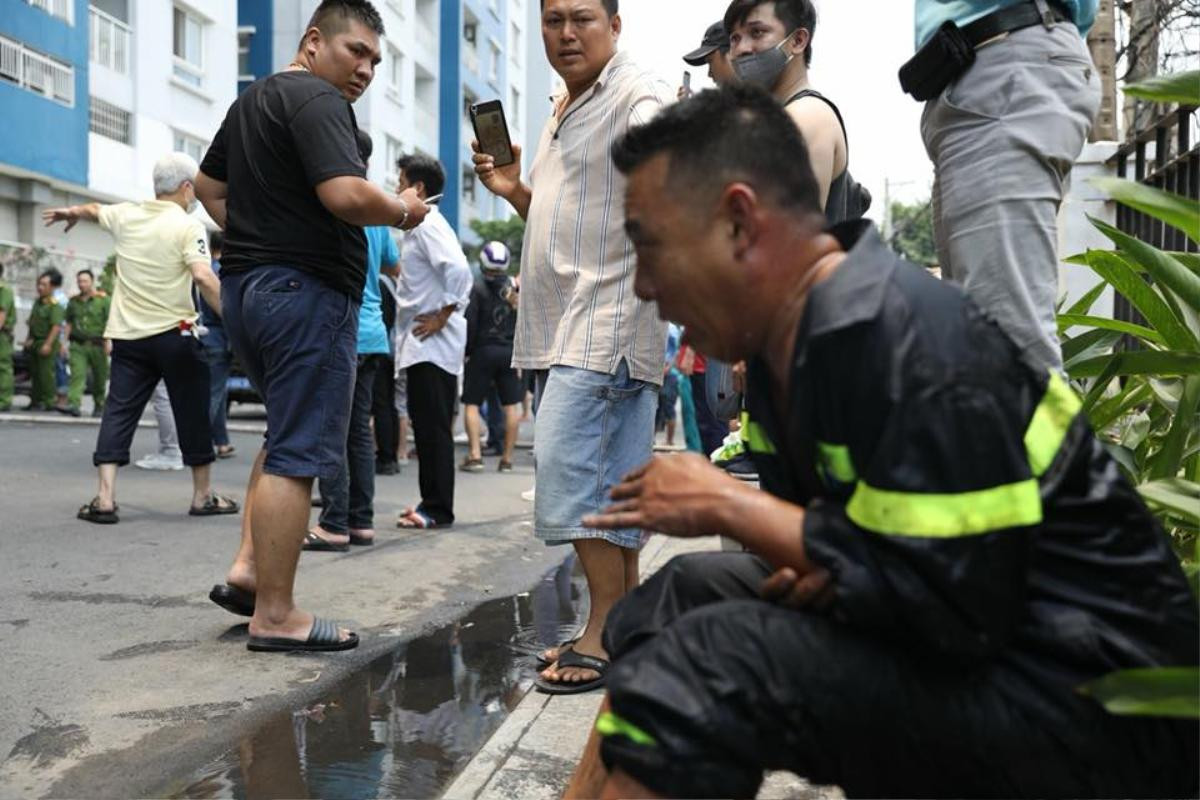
536,750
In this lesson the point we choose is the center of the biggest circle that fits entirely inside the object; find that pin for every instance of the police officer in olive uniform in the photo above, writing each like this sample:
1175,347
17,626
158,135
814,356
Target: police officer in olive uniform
45,321
87,314
8,321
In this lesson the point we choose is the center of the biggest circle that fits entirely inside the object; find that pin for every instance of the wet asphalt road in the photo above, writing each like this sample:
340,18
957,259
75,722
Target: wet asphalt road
119,676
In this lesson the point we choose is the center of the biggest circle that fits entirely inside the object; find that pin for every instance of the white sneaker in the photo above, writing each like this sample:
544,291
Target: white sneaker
158,461
528,496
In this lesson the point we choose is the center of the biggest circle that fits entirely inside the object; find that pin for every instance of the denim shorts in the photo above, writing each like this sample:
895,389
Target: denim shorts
591,430
295,337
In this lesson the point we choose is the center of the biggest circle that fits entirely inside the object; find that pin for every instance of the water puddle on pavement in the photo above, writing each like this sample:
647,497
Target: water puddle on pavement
408,723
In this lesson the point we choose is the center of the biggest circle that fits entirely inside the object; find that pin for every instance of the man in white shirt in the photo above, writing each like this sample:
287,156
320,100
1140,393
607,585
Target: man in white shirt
580,322
435,287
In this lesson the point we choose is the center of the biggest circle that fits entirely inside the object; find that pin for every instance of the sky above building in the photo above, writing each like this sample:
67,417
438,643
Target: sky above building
854,64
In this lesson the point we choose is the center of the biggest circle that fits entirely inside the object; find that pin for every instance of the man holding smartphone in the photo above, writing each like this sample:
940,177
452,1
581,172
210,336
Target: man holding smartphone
579,322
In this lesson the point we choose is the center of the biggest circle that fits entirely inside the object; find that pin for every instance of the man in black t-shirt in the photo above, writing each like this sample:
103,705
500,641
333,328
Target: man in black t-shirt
285,180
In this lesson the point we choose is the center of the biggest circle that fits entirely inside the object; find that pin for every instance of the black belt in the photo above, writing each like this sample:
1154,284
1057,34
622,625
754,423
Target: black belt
951,50
1010,19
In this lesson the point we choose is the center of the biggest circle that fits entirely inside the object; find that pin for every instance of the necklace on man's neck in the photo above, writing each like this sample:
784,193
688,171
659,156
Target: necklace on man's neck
298,65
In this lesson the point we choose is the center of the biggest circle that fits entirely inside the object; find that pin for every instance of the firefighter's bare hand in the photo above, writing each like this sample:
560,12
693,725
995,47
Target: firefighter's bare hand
789,589
678,495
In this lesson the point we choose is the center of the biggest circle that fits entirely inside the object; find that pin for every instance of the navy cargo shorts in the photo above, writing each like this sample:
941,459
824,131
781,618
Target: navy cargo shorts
295,337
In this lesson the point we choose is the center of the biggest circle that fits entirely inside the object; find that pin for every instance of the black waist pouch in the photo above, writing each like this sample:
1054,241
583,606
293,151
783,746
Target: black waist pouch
938,63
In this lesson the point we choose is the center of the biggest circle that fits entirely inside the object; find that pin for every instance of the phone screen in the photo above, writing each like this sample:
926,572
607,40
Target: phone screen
491,130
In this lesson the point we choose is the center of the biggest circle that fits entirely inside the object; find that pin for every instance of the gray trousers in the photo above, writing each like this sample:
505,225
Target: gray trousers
1003,139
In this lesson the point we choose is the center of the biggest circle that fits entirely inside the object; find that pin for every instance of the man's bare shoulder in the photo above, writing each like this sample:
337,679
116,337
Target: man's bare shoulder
814,116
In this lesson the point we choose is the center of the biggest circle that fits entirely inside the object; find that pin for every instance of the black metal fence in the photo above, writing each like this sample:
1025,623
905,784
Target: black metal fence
1173,167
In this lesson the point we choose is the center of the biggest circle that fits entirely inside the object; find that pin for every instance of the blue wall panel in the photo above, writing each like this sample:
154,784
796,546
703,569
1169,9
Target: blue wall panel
450,107
260,14
42,135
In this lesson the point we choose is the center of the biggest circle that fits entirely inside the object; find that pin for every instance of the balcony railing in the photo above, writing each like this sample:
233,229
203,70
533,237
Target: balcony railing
38,73
109,38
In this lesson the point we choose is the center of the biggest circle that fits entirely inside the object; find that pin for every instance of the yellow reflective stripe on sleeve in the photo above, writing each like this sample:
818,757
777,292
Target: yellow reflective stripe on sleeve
835,458
757,439
944,516
1051,420
609,724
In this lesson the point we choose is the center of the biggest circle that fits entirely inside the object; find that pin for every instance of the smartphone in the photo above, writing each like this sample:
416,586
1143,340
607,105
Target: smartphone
687,81
491,130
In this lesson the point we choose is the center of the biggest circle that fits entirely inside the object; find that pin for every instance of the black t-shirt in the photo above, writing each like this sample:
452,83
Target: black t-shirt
285,134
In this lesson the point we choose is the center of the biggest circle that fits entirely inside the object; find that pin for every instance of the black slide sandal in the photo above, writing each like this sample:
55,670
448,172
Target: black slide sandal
93,513
232,599
323,638
543,663
572,659
315,544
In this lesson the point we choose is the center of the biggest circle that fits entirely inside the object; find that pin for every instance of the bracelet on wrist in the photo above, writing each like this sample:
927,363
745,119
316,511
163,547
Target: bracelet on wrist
403,219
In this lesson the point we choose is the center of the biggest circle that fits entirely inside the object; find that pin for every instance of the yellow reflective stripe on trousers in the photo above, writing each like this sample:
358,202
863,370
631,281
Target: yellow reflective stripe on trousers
944,516
757,439
835,458
1051,421
609,724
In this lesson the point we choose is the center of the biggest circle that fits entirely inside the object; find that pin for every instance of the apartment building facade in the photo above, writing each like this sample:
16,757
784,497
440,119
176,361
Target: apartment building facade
93,93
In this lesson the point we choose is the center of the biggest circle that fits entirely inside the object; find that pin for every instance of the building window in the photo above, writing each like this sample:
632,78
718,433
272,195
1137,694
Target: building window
494,63
468,186
196,148
40,74
63,9
517,47
393,150
395,74
108,41
514,113
189,47
245,36
109,121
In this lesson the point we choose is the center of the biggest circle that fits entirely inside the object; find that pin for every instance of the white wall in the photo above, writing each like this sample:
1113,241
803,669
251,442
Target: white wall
1076,233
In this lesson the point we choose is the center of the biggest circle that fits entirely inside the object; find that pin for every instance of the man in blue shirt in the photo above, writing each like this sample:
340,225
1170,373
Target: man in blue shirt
1003,136
219,356
348,513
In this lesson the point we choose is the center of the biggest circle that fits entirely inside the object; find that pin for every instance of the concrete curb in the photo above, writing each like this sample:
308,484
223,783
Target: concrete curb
535,751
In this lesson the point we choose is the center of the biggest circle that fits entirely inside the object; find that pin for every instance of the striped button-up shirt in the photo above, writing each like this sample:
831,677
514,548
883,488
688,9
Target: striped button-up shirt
577,305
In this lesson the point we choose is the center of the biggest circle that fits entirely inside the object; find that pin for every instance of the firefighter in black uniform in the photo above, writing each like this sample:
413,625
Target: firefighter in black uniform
944,553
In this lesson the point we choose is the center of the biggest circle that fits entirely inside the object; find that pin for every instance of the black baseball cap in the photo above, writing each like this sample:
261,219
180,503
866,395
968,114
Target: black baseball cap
715,38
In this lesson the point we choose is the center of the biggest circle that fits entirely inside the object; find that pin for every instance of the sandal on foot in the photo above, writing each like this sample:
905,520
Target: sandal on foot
358,540
505,466
215,505
323,638
570,658
93,513
545,663
416,520
472,465
228,451
233,599
317,544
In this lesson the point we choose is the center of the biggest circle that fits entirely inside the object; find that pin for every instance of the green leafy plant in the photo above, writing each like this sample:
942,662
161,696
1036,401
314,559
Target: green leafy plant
1144,400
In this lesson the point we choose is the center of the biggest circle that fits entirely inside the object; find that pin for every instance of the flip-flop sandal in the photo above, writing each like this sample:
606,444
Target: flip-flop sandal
215,505
544,662
361,541
418,520
323,638
93,513
232,599
227,452
472,465
314,543
572,659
